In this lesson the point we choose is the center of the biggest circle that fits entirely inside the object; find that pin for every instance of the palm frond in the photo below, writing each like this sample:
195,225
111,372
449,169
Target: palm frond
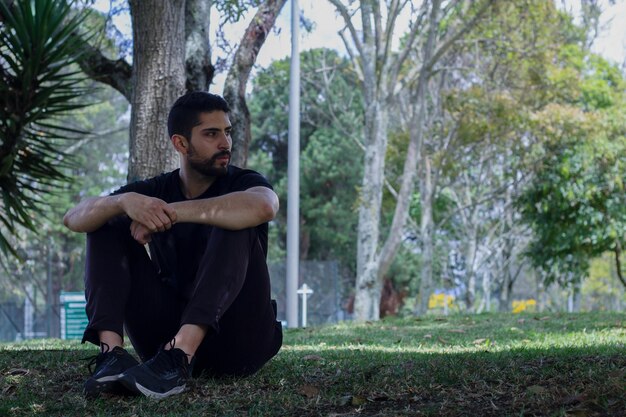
39,83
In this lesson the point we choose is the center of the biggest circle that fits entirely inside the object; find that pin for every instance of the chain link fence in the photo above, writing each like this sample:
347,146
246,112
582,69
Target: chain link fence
325,304
24,318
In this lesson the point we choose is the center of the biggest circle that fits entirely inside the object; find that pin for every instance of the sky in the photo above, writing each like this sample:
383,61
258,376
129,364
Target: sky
611,42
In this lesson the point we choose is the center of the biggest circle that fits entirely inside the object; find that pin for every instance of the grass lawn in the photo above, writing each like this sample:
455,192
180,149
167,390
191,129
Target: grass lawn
482,365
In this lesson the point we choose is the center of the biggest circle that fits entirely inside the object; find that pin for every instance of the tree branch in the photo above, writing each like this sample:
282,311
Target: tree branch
464,29
239,72
116,73
343,11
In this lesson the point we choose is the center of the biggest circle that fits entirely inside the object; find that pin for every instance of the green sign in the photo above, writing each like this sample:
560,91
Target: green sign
73,316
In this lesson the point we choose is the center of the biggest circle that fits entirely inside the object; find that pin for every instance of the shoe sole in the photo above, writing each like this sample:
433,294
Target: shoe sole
105,385
134,386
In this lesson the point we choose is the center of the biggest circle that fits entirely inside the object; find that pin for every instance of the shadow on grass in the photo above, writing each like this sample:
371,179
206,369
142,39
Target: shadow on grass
346,380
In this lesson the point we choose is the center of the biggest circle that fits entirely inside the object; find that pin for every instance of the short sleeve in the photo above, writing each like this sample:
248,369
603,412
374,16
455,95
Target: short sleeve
248,178
152,187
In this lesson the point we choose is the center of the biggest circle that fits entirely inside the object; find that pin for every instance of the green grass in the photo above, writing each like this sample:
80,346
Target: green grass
482,365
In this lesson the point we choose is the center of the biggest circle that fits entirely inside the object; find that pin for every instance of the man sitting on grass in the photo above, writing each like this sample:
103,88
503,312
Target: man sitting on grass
198,298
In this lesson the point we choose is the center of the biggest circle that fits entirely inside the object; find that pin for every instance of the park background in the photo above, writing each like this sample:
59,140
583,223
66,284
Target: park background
496,184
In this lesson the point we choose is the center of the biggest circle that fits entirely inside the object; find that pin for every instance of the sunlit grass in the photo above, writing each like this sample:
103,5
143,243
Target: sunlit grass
527,364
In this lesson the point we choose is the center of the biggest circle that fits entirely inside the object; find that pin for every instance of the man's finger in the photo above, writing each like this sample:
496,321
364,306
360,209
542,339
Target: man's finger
171,213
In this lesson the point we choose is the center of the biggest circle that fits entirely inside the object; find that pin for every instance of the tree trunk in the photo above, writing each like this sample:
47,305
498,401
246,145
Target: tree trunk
541,292
485,304
505,296
239,72
198,68
426,235
470,267
158,79
368,285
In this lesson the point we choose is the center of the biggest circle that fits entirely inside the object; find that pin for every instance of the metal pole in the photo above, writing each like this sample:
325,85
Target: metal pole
293,172
49,290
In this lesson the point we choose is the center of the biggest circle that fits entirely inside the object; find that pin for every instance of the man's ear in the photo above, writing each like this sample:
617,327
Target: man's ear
180,143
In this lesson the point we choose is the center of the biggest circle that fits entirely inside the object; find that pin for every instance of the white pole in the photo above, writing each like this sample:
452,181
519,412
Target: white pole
293,172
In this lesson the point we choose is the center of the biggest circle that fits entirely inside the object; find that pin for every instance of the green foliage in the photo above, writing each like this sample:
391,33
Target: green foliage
330,158
576,203
38,50
602,290
233,10
99,166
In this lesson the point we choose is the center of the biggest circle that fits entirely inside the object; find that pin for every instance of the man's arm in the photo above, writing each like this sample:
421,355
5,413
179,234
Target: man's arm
90,214
233,211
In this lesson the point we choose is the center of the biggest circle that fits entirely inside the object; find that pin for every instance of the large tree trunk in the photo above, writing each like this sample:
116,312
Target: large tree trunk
239,72
158,79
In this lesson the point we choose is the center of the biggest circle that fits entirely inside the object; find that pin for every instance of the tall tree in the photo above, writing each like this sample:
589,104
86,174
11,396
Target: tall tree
380,68
171,53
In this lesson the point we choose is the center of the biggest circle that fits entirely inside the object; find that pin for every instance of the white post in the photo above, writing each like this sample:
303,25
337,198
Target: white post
304,291
293,173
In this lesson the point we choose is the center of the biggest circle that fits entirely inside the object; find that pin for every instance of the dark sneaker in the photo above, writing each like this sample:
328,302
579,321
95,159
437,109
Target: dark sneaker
110,365
164,375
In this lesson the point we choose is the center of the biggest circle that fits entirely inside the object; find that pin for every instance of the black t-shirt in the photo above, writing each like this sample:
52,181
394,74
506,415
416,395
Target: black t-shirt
177,251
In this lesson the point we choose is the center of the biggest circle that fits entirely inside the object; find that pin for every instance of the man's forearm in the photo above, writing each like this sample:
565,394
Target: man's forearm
234,211
91,213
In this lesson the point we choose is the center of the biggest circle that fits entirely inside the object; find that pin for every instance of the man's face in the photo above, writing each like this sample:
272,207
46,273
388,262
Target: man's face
210,144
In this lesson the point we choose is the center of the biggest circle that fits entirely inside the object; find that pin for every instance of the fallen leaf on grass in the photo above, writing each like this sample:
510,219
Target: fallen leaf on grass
521,321
542,318
309,391
357,400
312,358
8,390
428,336
17,371
479,341
444,341
536,389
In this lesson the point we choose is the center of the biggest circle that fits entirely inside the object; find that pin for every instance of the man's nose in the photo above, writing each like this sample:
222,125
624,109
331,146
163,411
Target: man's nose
225,141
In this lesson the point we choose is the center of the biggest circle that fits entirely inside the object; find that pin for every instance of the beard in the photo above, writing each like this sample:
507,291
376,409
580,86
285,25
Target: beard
209,167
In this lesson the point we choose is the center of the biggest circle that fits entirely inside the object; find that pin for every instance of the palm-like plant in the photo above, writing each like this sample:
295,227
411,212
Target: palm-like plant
38,85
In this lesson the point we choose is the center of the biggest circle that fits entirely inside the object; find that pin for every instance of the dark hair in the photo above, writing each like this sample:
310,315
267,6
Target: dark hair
185,111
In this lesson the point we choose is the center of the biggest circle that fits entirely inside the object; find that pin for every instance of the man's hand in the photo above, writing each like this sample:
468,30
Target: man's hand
140,232
152,213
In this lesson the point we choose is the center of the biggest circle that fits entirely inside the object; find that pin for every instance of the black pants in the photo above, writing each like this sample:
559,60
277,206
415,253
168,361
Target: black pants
230,295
